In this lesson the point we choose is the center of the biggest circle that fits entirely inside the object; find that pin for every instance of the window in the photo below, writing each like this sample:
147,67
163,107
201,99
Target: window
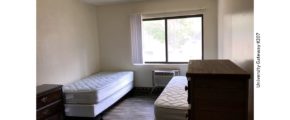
172,39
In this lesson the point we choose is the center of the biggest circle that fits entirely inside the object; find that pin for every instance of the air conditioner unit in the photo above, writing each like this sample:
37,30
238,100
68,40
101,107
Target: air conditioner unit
160,78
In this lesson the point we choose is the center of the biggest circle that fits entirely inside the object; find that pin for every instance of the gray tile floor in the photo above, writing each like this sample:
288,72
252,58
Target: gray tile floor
132,108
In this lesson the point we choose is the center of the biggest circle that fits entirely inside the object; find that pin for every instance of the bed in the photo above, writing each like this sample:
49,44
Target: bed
92,95
172,102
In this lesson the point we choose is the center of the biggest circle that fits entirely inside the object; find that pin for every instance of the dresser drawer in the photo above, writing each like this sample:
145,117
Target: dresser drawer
53,109
49,98
220,94
220,83
219,115
220,105
57,116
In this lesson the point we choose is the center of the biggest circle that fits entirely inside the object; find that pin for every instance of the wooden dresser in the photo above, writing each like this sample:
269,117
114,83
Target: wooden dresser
49,102
217,90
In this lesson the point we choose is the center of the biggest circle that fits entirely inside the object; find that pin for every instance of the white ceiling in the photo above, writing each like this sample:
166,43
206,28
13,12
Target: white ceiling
104,2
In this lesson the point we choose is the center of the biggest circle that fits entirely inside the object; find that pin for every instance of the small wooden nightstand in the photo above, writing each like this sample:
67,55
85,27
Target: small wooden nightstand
49,102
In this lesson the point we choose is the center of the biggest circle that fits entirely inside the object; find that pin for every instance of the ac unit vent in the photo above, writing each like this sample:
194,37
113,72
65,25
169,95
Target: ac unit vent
162,77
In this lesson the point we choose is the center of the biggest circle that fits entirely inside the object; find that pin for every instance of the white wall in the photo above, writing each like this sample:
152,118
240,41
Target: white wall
236,36
67,43
236,32
114,34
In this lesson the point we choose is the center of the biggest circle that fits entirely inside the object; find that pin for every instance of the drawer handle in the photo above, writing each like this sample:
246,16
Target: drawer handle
44,99
186,88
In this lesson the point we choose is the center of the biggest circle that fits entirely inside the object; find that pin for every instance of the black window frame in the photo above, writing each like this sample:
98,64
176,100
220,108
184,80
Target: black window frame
166,35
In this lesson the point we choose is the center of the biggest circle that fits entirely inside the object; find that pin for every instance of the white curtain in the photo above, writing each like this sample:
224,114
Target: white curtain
136,38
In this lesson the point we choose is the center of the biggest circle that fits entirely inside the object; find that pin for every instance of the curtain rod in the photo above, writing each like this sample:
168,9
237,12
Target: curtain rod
173,11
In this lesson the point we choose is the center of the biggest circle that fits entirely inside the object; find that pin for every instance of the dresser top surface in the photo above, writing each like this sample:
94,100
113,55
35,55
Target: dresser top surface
41,89
214,67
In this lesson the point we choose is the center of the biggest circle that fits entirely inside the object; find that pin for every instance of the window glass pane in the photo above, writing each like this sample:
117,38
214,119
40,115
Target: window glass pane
153,41
184,39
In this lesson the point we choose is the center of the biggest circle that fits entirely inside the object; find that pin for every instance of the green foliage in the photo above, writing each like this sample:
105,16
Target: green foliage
155,29
180,31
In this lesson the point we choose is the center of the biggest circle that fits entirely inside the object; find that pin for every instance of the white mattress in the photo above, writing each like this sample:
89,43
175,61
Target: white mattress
97,87
92,110
172,103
